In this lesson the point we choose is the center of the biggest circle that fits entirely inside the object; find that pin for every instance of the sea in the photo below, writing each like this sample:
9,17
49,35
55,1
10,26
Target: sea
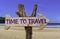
47,26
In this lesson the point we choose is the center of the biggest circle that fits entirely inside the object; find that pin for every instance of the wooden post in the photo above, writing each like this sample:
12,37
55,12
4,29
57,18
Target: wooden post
28,32
21,13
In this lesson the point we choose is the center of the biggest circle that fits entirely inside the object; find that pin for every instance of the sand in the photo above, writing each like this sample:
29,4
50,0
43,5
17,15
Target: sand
19,33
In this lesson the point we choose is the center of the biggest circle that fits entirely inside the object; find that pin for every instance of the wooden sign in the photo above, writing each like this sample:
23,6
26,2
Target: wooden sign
24,21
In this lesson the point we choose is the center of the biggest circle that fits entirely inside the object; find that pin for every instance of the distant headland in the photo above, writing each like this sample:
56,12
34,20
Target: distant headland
2,19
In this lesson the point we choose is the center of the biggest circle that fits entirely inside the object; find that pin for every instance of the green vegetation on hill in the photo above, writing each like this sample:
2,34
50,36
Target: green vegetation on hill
2,20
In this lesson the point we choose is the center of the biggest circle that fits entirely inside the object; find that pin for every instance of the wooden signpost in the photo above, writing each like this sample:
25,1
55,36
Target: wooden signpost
24,20
21,13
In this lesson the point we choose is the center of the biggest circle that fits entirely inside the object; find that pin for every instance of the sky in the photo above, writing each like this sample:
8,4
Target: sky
49,8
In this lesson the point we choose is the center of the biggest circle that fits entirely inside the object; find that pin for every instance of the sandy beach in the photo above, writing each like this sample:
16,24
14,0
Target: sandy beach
19,33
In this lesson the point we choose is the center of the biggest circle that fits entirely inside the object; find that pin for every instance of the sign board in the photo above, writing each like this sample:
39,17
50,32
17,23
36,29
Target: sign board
25,21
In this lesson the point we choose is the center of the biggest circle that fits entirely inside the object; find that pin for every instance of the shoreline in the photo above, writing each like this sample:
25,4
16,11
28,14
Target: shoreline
34,29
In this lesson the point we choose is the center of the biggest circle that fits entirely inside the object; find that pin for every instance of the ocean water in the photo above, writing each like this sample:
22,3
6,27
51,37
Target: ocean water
2,24
47,26
53,26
